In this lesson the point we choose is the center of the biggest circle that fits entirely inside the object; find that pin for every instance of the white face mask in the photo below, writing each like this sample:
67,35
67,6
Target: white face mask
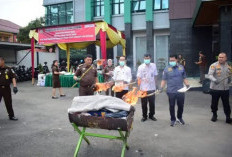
121,63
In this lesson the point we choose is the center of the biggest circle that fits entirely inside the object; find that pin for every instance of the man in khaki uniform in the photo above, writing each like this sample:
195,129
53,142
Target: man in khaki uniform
87,75
219,74
6,76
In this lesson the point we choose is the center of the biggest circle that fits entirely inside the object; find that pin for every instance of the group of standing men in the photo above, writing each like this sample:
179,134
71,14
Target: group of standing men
173,75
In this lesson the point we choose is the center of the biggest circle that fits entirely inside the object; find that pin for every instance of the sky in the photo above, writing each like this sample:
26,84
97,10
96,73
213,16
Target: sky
21,12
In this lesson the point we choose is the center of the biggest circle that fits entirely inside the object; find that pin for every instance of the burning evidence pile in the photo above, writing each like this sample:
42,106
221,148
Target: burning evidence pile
100,106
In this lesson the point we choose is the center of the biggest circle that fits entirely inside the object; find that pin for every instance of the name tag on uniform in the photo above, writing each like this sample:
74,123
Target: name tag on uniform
169,69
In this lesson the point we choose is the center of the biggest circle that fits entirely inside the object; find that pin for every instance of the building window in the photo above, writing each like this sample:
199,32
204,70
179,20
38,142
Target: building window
118,7
98,8
161,4
138,5
59,14
161,51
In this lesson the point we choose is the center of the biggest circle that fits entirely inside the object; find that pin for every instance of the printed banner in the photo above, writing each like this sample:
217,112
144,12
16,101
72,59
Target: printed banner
67,34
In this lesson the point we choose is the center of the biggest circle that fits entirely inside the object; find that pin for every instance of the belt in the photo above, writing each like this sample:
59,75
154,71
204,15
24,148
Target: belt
3,86
87,86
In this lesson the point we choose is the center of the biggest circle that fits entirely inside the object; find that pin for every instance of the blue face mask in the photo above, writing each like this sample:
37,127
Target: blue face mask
172,63
147,61
121,63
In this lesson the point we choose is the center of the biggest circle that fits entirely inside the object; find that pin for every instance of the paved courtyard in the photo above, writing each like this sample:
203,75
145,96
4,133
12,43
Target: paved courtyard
43,129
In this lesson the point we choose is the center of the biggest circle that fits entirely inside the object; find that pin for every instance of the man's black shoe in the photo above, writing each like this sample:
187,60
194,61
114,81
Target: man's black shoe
228,120
13,118
214,118
143,119
181,121
173,123
153,118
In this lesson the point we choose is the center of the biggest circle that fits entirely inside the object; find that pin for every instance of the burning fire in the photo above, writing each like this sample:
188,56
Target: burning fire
118,88
141,94
131,97
102,86
100,62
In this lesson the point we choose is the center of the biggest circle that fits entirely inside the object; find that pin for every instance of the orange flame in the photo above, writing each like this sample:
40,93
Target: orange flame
141,94
131,97
139,82
102,86
118,88
100,62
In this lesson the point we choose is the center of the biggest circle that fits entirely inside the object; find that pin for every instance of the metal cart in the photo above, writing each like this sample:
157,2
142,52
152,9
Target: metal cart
121,125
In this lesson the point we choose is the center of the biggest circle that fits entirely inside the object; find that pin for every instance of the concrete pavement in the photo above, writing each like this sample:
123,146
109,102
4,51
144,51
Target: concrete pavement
43,129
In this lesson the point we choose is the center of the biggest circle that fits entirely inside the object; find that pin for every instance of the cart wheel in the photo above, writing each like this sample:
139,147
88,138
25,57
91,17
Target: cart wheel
127,147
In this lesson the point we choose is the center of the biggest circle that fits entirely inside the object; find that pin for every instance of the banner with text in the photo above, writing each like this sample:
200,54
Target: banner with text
67,34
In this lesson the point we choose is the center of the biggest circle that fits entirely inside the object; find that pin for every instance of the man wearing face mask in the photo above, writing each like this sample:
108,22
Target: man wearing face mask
174,75
122,75
147,78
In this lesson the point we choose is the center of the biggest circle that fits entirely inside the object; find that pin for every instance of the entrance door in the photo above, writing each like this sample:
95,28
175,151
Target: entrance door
140,45
161,52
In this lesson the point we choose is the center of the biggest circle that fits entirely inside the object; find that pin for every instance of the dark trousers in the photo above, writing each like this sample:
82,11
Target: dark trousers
224,95
173,98
108,92
202,73
85,91
120,94
5,92
151,100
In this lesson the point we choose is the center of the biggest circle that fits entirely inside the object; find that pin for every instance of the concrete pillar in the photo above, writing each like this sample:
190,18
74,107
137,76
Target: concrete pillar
129,44
150,38
149,27
225,30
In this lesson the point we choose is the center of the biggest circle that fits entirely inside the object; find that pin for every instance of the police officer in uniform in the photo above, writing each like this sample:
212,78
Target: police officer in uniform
6,76
87,75
219,74
147,76
174,75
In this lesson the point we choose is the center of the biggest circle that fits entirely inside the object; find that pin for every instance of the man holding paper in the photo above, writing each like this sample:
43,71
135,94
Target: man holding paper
174,75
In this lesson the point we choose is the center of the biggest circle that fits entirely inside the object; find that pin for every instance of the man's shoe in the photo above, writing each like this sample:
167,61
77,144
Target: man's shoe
54,97
13,118
153,118
173,123
214,118
181,121
228,120
143,119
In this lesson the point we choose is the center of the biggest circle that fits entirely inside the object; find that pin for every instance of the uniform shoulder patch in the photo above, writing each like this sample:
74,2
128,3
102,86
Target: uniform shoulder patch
12,71
79,66
212,67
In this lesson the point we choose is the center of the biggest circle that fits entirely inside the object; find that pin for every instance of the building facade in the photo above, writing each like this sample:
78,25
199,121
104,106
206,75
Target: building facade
157,27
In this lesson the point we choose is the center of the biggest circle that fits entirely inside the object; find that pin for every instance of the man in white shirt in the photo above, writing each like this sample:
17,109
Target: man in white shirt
122,75
147,78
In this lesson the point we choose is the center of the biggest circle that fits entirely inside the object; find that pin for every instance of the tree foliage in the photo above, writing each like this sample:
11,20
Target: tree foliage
23,35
